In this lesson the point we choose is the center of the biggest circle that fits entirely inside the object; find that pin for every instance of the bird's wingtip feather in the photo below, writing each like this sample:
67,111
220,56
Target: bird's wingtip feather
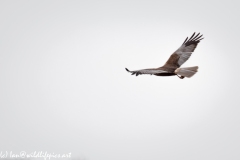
127,70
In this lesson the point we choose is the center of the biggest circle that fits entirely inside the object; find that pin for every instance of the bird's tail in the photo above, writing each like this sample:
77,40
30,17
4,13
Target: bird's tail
186,72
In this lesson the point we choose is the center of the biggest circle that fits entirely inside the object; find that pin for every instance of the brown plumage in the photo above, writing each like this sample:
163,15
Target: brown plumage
180,56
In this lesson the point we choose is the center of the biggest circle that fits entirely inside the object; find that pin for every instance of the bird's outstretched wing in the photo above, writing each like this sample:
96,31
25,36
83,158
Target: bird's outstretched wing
146,71
183,53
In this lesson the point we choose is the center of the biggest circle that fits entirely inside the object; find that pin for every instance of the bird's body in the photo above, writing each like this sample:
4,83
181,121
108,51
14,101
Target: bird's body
171,67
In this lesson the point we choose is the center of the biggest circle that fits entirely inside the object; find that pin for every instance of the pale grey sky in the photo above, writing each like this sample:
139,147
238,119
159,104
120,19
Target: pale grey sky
63,85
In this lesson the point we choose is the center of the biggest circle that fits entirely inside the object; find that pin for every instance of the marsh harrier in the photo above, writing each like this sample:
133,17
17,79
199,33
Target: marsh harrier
172,66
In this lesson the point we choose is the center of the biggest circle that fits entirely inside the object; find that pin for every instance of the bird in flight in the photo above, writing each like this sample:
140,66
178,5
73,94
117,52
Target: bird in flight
172,66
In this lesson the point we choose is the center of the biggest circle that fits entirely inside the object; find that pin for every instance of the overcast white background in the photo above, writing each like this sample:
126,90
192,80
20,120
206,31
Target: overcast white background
63,85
